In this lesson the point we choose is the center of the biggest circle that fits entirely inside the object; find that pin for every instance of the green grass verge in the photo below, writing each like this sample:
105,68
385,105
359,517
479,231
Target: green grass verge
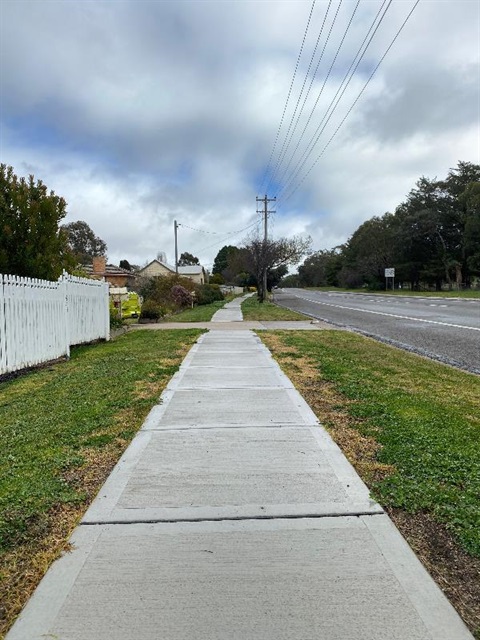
424,415
202,313
50,417
252,309
473,293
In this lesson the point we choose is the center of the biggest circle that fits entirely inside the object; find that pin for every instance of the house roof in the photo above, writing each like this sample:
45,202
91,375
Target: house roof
110,270
189,270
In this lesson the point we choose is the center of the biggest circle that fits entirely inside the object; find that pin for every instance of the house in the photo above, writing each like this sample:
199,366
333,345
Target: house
115,276
155,268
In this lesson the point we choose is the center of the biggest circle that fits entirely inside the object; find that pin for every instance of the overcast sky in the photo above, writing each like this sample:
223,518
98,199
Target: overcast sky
141,112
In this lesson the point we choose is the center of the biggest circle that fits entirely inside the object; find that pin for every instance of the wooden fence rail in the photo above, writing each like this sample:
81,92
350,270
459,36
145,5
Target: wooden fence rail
40,320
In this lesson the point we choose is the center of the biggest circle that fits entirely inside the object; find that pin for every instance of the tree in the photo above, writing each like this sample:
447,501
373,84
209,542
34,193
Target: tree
274,276
470,198
261,256
124,264
31,242
320,269
187,259
83,242
368,252
217,278
462,190
221,261
291,280
235,271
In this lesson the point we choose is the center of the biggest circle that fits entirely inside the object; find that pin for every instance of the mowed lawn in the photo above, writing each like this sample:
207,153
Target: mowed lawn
62,429
411,428
252,309
200,313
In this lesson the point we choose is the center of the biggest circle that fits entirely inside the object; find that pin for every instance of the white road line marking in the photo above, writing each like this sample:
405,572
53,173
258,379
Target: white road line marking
390,315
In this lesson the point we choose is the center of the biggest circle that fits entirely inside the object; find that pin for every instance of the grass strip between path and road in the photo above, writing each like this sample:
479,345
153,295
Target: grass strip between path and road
411,428
252,309
62,429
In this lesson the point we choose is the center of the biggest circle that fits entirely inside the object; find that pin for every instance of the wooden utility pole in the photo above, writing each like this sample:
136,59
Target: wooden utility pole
175,227
265,201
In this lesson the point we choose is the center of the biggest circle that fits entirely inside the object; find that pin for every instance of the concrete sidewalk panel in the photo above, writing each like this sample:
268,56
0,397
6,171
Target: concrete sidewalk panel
226,348
226,334
205,358
224,473
306,579
208,408
227,315
237,378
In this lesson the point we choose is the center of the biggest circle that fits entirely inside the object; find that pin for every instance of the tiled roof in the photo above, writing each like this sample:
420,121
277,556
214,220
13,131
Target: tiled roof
110,270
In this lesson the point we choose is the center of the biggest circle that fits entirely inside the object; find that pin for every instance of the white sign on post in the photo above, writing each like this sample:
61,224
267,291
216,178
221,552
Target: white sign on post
390,273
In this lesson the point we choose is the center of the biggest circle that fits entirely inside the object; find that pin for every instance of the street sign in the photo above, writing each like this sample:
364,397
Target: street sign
390,273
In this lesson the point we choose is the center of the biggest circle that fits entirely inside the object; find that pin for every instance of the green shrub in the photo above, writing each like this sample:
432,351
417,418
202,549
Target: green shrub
160,288
217,278
181,296
208,293
115,320
151,310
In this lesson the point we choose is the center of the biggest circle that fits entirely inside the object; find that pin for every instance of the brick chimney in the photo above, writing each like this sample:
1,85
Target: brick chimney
99,265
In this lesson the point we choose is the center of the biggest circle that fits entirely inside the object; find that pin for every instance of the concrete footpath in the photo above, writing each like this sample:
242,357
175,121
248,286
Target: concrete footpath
233,515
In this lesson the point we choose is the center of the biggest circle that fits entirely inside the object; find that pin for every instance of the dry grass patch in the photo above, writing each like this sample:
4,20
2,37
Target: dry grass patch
456,572
22,568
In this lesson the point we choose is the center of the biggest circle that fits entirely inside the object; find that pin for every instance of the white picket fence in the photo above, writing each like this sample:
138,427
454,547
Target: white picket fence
40,320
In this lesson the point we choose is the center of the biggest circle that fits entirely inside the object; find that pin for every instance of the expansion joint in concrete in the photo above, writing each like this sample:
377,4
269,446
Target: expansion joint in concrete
303,516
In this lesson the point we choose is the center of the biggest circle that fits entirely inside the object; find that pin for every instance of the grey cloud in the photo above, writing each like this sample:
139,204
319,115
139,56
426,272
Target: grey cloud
155,110
427,100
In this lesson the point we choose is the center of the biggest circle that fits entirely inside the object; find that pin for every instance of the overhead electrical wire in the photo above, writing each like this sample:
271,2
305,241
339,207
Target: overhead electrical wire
354,102
288,97
212,233
319,130
320,92
283,150
229,235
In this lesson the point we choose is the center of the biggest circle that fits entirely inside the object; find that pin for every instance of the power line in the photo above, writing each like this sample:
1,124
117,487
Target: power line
355,101
282,153
288,98
213,233
327,116
229,235
321,91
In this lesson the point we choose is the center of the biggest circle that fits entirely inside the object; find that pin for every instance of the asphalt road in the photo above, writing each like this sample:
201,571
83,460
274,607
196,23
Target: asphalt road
445,329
